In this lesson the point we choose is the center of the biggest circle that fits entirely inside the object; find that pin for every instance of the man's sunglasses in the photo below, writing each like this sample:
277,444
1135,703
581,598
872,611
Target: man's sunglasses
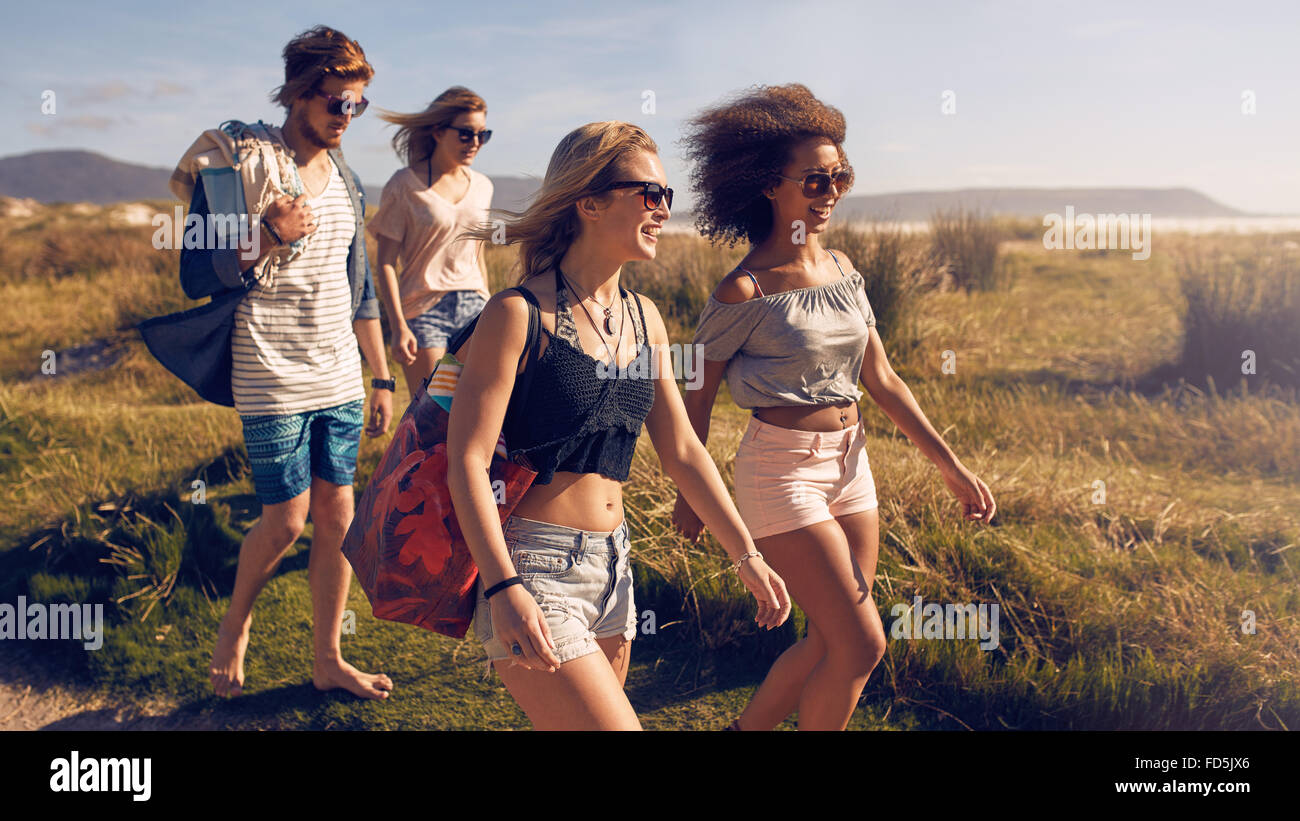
818,183
468,134
338,106
652,193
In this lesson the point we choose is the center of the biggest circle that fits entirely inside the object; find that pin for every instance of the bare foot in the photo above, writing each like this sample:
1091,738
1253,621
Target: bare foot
227,670
328,675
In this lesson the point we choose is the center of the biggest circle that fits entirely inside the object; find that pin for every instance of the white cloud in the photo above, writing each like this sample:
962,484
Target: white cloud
166,88
102,93
52,125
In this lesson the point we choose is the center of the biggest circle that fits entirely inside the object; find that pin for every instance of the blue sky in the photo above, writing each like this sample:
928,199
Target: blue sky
1047,94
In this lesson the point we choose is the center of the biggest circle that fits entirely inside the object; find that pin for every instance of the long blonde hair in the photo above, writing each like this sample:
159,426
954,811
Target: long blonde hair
414,139
586,160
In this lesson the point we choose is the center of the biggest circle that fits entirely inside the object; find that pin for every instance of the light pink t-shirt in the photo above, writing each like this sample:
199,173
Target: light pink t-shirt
426,225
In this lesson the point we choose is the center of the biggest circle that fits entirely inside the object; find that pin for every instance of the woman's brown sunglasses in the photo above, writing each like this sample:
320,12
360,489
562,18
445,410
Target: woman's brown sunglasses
817,183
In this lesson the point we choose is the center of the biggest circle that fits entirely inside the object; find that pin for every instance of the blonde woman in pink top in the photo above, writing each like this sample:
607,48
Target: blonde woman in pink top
423,211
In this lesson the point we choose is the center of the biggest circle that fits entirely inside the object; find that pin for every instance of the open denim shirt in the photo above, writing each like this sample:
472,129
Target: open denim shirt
195,344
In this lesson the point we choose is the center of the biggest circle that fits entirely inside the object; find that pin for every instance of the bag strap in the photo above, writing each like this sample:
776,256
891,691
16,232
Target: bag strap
520,396
645,332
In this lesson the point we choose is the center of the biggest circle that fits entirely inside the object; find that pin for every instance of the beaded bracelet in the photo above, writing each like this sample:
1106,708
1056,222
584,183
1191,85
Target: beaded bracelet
751,554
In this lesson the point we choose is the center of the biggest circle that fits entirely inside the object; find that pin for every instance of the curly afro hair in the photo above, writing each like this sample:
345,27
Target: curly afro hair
739,147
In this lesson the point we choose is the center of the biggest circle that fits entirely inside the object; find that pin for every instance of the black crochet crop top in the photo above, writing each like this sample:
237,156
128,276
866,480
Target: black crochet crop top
567,386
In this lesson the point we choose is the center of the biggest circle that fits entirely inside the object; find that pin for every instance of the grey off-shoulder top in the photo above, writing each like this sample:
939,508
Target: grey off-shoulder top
799,347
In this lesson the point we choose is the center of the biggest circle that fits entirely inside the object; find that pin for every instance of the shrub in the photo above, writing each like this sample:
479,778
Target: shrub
967,243
1239,300
894,267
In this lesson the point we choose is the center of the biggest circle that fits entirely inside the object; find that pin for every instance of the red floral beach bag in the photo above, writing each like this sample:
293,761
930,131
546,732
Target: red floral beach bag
404,542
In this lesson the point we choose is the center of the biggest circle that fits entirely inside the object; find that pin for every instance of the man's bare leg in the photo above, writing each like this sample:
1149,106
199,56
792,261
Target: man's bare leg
260,553
330,576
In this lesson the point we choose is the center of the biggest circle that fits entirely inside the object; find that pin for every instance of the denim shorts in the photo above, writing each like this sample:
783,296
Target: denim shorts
287,450
581,579
452,312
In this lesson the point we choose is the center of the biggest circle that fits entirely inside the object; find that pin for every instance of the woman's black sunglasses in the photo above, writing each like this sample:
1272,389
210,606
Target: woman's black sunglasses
818,183
336,105
468,134
652,193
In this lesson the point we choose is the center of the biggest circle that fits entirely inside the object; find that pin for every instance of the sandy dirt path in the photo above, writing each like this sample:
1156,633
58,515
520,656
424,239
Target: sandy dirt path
32,700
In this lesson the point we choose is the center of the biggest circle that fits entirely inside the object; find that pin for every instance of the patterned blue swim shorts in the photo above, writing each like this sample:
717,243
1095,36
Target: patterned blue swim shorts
287,450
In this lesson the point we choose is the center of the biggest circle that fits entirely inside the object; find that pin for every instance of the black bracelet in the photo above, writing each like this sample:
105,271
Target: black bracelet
499,586
266,223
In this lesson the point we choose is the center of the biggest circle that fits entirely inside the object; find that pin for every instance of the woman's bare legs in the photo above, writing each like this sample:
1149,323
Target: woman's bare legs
426,359
830,566
778,696
586,693
619,652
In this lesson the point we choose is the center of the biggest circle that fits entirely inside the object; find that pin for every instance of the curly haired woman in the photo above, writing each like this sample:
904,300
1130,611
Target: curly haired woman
793,332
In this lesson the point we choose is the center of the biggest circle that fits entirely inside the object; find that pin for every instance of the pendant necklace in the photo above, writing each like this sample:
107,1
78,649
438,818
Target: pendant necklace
609,315
613,355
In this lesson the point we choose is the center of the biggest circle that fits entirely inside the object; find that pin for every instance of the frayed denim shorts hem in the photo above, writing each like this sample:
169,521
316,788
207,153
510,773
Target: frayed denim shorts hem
581,580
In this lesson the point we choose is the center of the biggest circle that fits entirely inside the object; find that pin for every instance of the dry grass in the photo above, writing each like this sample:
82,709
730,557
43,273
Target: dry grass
1242,304
1115,612
967,243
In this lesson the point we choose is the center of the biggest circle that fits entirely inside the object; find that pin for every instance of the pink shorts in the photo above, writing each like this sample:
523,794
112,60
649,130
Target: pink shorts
787,479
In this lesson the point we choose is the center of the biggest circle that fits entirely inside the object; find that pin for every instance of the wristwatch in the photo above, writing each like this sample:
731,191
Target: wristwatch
386,384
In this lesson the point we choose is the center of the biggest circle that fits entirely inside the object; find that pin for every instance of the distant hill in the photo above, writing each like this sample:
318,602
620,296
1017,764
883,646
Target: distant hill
80,176
907,206
513,193
84,176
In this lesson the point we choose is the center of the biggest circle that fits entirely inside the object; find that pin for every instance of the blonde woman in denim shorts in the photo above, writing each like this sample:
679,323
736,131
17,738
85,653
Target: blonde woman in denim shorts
556,613
425,208
793,332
